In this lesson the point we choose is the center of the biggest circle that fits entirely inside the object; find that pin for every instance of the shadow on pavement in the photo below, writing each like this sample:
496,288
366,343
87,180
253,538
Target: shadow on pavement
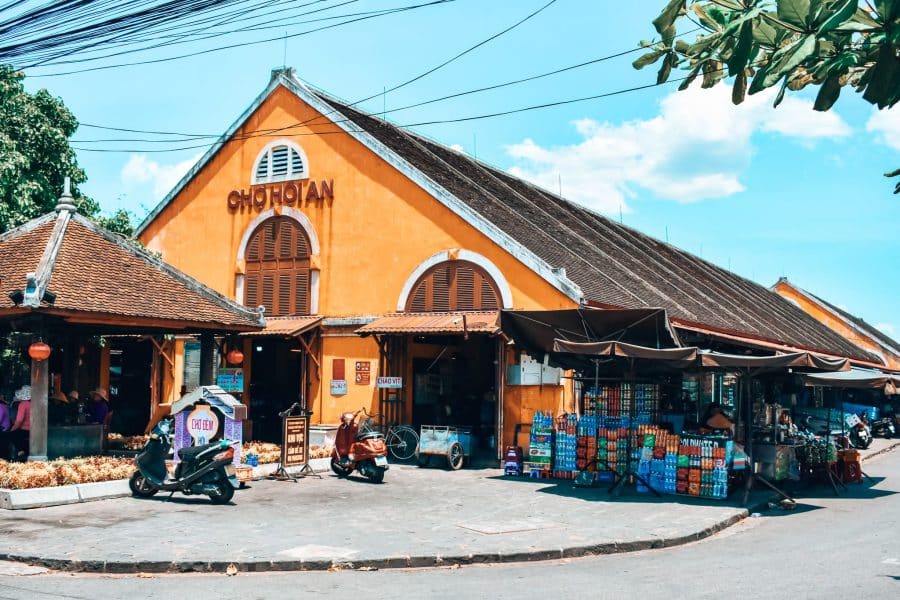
599,492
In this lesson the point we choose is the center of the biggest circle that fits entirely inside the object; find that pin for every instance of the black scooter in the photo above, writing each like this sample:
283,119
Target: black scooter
205,469
884,427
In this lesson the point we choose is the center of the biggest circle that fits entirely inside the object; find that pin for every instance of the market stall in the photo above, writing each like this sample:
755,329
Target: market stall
617,432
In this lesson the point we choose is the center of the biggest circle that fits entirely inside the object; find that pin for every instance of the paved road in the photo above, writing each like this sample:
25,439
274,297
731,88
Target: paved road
829,547
415,517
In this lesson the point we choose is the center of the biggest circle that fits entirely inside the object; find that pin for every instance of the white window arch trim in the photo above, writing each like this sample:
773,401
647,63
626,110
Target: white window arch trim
306,224
465,255
304,172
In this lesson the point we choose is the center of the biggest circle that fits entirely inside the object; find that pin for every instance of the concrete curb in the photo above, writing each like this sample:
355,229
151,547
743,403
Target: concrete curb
391,562
106,490
64,494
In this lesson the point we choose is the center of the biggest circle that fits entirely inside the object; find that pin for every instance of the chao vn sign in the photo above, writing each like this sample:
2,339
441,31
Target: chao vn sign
289,193
202,424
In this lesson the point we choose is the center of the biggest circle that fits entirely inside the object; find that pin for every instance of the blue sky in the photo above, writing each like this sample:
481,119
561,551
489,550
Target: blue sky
765,193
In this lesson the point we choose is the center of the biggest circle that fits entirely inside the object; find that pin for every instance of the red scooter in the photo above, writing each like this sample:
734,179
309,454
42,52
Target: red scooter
359,449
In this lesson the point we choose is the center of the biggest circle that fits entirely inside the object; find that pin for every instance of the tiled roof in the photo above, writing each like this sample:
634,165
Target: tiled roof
613,264
287,326
435,323
96,274
20,251
879,336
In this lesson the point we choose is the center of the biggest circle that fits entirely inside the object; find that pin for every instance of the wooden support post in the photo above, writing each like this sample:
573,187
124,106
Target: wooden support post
40,386
207,359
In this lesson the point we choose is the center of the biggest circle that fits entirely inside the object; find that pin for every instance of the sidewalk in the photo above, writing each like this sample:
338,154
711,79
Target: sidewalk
417,518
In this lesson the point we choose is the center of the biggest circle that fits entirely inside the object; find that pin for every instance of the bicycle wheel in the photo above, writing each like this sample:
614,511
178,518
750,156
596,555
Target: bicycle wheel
403,442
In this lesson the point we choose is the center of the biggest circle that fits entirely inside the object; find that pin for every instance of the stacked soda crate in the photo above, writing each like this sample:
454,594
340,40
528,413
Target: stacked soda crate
540,445
565,446
586,450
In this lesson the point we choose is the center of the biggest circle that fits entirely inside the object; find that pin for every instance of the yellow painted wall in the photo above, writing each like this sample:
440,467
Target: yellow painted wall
835,322
379,227
328,408
377,230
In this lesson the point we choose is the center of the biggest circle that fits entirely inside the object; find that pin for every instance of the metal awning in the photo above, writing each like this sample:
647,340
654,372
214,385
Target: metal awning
434,323
286,326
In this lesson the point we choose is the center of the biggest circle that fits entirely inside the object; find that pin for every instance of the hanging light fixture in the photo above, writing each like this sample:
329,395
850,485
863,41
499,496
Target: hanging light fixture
39,351
234,357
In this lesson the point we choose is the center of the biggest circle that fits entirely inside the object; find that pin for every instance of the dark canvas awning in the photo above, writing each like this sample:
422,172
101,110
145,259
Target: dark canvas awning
681,357
538,330
855,378
783,361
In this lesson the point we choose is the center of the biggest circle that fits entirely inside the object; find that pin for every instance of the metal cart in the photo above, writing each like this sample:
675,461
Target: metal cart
454,443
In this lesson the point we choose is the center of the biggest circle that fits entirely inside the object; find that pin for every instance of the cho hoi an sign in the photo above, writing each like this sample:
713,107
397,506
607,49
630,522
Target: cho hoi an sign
294,448
300,192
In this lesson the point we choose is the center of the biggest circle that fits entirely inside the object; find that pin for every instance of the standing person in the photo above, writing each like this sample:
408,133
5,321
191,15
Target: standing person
21,429
5,424
99,407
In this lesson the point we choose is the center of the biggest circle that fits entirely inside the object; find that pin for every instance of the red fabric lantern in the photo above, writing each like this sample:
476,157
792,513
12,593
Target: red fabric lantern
39,351
234,357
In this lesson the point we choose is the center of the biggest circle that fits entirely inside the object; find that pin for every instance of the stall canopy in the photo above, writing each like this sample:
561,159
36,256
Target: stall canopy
800,360
677,357
538,330
444,323
286,326
855,378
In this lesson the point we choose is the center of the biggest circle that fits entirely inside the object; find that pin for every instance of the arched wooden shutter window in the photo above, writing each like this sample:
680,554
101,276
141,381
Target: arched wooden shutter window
454,285
277,268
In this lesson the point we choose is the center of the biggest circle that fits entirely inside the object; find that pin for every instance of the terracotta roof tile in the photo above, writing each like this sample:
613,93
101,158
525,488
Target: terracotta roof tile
613,264
435,323
96,272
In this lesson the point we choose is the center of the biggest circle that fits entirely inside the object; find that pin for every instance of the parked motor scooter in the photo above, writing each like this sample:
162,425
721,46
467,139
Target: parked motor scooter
205,469
860,435
360,449
884,427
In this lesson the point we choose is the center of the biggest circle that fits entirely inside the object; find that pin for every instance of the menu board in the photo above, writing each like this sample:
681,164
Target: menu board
296,442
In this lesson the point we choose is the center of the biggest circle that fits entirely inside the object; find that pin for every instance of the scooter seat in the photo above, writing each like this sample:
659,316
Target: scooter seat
192,452
369,435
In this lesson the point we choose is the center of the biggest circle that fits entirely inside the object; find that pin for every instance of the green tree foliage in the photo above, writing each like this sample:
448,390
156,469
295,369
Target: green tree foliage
790,44
35,157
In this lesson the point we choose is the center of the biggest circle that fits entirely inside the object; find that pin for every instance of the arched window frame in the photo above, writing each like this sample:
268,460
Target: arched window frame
287,295
267,152
502,285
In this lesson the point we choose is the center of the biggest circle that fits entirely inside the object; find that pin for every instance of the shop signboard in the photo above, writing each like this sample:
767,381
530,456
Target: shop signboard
389,383
363,372
230,380
338,387
296,441
202,424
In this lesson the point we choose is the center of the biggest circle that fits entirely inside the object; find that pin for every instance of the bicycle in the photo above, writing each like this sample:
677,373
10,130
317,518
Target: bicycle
402,441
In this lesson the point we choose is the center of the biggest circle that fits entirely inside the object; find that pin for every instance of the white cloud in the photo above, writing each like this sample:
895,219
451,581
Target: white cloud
142,174
886,126
457,147
887,328
695,149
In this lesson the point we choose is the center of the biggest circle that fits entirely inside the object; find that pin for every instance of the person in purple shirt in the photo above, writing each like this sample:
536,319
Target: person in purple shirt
99,407
4,415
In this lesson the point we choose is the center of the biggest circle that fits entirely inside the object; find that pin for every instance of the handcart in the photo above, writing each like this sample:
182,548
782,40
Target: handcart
454,443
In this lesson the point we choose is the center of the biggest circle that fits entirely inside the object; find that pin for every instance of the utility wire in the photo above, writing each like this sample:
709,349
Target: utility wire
441,121
279,38
269,132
